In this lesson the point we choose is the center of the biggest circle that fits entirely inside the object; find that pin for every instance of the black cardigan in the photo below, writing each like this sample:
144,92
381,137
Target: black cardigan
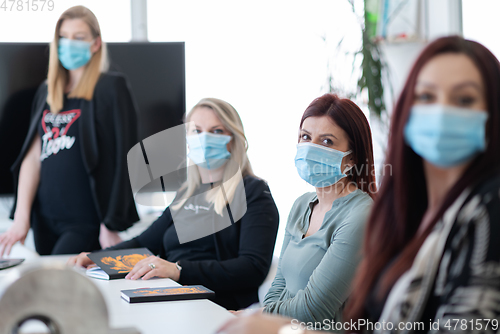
244,250
108,129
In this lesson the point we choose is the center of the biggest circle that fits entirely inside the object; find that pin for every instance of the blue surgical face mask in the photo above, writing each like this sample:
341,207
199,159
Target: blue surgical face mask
208,150
74,54
446,136
318,165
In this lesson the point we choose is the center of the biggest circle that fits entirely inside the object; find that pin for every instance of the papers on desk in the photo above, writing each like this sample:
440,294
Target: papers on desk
188,292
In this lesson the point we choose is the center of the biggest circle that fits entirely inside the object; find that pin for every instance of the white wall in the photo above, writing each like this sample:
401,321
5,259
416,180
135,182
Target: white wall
480,23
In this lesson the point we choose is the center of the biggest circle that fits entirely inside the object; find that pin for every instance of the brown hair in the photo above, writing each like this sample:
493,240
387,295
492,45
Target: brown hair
347,115
58,76
402,202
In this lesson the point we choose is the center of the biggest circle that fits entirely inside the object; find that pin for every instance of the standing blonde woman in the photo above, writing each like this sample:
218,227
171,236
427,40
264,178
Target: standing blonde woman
221,229
72,185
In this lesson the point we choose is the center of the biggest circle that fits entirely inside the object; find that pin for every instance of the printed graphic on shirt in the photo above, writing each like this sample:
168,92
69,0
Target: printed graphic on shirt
55,128
196,208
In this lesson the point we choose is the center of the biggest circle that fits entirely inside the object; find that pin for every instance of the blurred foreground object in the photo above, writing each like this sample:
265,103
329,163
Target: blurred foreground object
61,298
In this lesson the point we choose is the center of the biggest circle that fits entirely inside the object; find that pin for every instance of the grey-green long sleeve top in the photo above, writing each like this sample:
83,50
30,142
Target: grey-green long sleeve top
315,273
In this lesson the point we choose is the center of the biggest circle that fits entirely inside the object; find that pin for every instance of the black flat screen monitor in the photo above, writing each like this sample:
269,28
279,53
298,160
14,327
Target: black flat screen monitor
155,71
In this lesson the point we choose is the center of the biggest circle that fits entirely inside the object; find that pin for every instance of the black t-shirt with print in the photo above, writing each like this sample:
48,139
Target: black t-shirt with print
64,192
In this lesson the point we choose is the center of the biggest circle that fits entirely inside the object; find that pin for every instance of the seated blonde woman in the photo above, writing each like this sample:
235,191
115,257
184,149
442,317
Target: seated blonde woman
234,261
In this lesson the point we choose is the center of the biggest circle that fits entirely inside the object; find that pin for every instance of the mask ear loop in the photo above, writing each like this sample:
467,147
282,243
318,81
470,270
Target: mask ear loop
92,44
347,168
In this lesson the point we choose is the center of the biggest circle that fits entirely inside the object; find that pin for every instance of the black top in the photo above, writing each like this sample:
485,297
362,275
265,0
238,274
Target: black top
108,129
62,170
199,249
234,261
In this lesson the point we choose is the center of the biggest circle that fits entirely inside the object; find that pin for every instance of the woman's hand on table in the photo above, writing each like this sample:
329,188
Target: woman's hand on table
17,232
80,260
254,324
154,266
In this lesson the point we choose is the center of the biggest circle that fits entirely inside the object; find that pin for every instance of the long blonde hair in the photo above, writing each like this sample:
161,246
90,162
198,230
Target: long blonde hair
238,160
58,76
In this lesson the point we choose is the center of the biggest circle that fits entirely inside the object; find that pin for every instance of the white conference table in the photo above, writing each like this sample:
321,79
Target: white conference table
179,317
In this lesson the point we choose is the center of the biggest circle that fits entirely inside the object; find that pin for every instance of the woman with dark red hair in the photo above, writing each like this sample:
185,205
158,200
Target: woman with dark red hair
325,228
430,255
431,260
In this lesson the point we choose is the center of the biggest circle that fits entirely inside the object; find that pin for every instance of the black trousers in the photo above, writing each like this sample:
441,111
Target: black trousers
53,236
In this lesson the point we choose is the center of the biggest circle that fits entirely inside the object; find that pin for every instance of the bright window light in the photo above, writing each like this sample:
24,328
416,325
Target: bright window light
479,18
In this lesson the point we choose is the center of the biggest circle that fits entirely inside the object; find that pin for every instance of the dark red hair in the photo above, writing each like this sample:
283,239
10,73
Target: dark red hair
402,202
347,115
